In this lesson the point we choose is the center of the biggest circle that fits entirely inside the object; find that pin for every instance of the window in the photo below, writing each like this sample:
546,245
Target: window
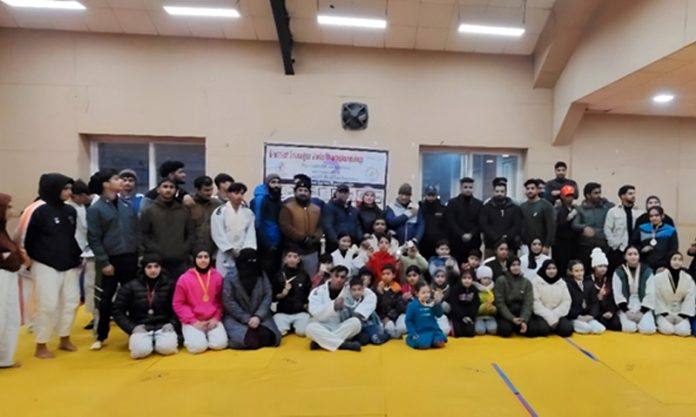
145,154
444,167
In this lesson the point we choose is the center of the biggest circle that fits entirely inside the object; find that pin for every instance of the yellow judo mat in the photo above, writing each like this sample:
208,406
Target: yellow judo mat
609,375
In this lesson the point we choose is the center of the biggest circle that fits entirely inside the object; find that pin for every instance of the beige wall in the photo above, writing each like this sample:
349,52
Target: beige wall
653,153
623,37
55,86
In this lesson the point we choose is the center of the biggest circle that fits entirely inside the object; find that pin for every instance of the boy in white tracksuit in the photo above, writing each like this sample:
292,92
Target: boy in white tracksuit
326,329
675,298
232,227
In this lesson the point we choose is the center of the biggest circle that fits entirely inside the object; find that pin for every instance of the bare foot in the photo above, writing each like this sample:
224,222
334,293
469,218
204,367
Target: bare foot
42,352
66,344
13,366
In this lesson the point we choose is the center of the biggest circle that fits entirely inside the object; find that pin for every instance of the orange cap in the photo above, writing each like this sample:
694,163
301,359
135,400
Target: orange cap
567,190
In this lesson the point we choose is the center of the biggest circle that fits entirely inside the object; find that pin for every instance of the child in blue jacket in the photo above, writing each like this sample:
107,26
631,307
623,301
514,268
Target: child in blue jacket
421,319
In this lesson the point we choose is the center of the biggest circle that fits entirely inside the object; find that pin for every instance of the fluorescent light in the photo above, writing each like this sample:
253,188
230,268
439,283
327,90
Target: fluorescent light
663,98
201,11
491,30
489,161
46,4
506,155
355,22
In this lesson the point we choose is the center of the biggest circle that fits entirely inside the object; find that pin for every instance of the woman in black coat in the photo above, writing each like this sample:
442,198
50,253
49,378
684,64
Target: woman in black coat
246,298
143,309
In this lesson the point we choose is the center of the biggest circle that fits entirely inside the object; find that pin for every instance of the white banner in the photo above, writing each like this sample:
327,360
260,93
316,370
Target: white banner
328,167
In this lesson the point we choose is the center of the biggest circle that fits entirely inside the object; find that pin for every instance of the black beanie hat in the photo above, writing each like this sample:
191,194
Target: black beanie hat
168,167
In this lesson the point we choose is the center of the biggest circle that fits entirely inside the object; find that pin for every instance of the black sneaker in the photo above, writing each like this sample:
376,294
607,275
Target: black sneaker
314,346
89,325
354,346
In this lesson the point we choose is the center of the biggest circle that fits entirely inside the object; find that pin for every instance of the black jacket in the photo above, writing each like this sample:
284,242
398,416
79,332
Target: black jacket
564,227
367,216
131,306
464,302
297,299
390,304
606,303
463,216
50,237
584,301
435,224
168,230
501,219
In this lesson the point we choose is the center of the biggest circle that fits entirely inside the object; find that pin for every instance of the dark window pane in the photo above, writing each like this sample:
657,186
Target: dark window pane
193,157
126,155
443,171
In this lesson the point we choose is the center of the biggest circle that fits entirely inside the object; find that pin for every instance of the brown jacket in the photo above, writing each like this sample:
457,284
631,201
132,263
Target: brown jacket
301,226
200,214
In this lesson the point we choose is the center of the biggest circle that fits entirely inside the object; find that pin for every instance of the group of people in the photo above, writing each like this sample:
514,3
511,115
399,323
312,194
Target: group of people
210,270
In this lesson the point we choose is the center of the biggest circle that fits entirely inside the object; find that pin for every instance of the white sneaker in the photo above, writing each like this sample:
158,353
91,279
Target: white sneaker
96,345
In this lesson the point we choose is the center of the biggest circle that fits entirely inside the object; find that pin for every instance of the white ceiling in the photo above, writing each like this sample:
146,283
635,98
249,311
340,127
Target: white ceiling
675,74
412,24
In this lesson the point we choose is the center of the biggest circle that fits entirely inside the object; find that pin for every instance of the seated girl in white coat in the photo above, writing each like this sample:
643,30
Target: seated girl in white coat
347,254
634,294
552,300
198,304
675,298
585,309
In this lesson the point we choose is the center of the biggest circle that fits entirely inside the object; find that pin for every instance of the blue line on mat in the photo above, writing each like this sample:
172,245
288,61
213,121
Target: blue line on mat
515,391
585,352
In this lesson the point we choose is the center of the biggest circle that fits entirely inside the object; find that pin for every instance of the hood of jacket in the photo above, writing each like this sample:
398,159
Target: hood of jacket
51,186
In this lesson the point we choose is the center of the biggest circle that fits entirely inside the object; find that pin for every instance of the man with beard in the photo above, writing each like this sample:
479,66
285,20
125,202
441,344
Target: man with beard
435,225
589,222
538,217
201,211
339,216
173,171
620,224
462,215
501,219
266,207
301,228
553,187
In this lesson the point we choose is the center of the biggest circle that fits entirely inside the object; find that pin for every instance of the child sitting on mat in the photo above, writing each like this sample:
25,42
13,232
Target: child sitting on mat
421,319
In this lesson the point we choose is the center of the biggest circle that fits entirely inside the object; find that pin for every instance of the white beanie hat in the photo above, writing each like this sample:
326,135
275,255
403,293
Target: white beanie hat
598,258
484,272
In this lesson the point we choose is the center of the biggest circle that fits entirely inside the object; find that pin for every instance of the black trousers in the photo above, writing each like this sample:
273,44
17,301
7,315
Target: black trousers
270,261
461,329
258,338
613,324
125,269
564,327
563,252
536,327
175,269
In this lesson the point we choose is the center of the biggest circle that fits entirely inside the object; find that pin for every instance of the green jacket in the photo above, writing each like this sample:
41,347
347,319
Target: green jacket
592,216
514,297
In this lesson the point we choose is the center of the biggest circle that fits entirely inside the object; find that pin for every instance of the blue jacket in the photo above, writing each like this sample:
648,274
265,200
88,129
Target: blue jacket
667,242
337,218
421,325
405,228
267,211
112,230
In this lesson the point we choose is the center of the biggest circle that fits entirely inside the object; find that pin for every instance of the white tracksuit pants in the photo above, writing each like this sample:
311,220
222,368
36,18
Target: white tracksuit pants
197,341
10,316
57,299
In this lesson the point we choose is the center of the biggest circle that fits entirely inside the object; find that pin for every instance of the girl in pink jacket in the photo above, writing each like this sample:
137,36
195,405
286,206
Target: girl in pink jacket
198,304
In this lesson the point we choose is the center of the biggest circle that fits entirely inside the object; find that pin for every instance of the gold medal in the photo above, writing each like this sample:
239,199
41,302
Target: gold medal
206,298
204,286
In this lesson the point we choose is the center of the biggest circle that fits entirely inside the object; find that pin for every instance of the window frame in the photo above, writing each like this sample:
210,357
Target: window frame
151,141
467,164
